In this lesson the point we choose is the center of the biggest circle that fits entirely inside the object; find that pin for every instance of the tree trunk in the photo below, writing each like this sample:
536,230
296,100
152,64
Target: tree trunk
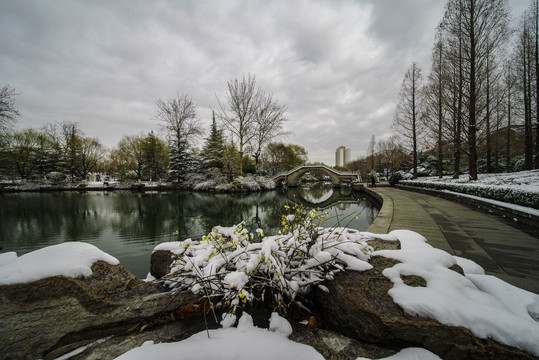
472,124
458,129
414,125
528,151
508,145
536,15
487,119
440,152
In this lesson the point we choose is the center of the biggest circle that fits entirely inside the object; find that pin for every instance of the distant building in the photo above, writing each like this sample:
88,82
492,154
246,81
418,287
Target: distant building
342,156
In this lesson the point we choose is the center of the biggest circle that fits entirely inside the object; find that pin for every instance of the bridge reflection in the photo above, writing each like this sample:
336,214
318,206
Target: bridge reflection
343,201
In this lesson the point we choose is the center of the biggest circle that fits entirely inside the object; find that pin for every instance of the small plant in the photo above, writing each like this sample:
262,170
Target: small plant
229,268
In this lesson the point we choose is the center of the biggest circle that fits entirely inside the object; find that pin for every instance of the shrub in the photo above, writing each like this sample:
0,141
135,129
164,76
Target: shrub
229,268
56,177
505,194
395,178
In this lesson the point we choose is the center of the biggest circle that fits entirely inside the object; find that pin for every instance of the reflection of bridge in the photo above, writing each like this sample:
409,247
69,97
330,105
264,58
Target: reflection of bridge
292,177
336,196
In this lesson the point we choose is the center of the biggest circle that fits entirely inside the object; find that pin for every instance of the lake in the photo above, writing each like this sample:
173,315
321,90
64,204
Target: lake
129,225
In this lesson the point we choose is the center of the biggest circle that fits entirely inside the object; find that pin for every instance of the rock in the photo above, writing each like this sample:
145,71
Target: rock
57,314
160,263
333,346
111,347
359,307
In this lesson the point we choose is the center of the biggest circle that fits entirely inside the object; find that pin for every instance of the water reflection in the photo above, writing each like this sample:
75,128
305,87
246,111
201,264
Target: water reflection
128,225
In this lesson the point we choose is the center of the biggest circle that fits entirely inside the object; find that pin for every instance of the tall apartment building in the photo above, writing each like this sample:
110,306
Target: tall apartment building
342,156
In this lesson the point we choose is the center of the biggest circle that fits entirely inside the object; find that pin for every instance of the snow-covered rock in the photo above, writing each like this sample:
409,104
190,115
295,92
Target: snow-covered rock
418,295
58,296
70,259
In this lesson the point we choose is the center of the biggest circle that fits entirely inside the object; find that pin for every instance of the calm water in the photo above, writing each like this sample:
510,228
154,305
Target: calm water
129,225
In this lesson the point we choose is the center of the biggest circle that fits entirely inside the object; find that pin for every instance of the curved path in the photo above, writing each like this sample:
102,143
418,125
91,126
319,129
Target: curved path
501,249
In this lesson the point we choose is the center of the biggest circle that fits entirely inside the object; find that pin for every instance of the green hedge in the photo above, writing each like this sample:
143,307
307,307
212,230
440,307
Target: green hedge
509,195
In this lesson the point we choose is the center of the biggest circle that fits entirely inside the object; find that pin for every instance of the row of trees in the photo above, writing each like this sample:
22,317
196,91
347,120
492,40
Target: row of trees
243,138
382,156
54,148
481,91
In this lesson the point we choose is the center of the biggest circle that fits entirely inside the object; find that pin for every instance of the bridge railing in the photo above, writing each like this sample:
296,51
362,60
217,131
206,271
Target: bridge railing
315,167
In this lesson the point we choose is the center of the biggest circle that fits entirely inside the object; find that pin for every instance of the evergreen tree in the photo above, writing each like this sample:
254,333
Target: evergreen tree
214,147
179,158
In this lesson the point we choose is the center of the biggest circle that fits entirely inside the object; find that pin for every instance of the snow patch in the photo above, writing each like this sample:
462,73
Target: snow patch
280,325
244,342
228,320
71,259
175,247
469,267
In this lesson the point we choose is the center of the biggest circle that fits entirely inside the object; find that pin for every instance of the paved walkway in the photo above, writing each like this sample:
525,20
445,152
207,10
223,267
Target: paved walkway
501,249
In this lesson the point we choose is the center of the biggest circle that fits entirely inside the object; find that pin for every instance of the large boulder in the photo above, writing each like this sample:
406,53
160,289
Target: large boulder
57,314
358,306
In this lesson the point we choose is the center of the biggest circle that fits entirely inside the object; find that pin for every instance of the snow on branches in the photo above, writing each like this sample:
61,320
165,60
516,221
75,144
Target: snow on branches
234,266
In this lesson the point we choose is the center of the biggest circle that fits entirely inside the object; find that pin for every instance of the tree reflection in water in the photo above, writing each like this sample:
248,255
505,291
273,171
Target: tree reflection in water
129,225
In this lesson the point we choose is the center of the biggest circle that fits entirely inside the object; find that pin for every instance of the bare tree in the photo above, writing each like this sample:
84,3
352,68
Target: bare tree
510,80
130,153
182,127
528,54
8,112
370,151
435,103
23,150
406,120
523,53
390,153
481,27
535,17
268,125
239,111
89,155
8,116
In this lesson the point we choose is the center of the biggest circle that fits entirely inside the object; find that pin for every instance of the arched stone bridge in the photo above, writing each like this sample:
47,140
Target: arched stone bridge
291,178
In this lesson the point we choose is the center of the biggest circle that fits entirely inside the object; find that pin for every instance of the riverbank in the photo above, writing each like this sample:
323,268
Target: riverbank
240,184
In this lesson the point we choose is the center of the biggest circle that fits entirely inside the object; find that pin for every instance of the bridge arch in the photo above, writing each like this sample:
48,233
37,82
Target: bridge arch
291,178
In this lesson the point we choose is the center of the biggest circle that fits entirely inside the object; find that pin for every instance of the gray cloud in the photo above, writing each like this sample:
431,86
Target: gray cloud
337,65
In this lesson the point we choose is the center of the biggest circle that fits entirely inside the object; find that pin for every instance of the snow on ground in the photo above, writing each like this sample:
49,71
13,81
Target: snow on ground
71,259
523,209
523,180
243,342
246,342
516,191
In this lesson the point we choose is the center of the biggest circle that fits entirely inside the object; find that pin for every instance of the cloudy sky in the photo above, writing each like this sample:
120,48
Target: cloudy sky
336,64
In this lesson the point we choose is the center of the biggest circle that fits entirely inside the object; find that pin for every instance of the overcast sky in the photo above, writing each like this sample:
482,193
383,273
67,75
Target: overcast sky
337,65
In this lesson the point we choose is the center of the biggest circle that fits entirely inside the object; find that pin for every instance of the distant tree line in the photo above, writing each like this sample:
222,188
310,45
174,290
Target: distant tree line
244,137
